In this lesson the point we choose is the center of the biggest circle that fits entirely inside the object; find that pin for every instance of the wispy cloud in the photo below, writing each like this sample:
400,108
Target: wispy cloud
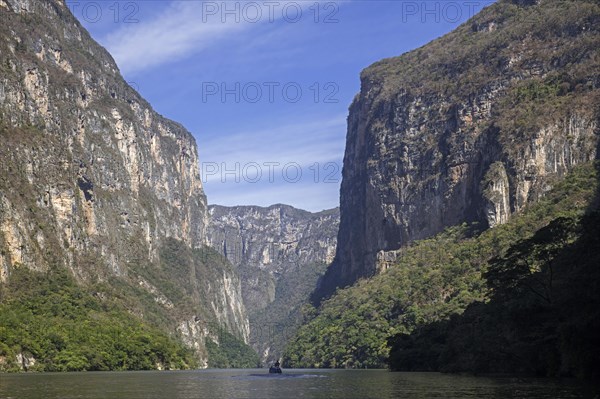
185,28
304,143
180,34
298,164
176,33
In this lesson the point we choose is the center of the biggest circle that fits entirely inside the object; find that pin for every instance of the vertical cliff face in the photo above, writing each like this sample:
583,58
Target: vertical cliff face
469,128
279,253
91,178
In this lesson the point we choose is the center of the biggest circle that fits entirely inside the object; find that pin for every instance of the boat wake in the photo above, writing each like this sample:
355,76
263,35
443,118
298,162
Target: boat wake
282,376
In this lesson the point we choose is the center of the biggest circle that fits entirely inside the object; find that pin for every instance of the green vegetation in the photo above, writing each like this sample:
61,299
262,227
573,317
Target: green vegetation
432,280
123,307
68,326
230,352
279,321
543,316
48,317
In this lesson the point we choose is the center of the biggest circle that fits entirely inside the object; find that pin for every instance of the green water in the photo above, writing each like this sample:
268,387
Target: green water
214,384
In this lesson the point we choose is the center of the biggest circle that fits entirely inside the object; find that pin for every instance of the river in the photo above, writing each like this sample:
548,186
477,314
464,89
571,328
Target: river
215,384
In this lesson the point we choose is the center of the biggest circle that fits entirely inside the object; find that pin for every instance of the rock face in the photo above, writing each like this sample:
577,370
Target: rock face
469,128
279,253
91,178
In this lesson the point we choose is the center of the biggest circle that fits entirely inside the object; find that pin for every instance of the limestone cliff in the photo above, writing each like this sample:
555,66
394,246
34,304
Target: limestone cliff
279,253
92,179
469,128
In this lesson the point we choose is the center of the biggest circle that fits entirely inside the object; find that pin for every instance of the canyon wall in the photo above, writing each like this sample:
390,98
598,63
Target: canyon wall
471,127
279,253
92,179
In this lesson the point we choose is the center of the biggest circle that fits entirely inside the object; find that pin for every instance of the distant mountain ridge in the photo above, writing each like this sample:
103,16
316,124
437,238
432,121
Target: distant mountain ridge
279,252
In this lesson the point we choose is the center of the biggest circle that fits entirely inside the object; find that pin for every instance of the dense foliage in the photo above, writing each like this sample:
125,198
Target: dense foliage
64,325
543,317
432,280
48,317
230,352
279,321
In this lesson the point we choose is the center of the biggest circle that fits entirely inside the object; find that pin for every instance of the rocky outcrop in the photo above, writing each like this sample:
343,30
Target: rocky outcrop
469,128
497,195
92,179
279,252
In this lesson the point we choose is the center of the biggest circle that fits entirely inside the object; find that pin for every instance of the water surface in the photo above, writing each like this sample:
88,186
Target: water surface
215,384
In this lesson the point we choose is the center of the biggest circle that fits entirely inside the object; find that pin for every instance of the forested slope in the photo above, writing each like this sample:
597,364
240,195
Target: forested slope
437,278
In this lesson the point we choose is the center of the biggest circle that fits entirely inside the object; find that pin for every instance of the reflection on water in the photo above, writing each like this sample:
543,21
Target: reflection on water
216,384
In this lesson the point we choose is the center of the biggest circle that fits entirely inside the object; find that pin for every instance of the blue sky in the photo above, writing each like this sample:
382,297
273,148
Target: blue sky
264,86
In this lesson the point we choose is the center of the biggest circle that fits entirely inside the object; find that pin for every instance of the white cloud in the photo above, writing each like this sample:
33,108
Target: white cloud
261,167
178,32
305,143
185,28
